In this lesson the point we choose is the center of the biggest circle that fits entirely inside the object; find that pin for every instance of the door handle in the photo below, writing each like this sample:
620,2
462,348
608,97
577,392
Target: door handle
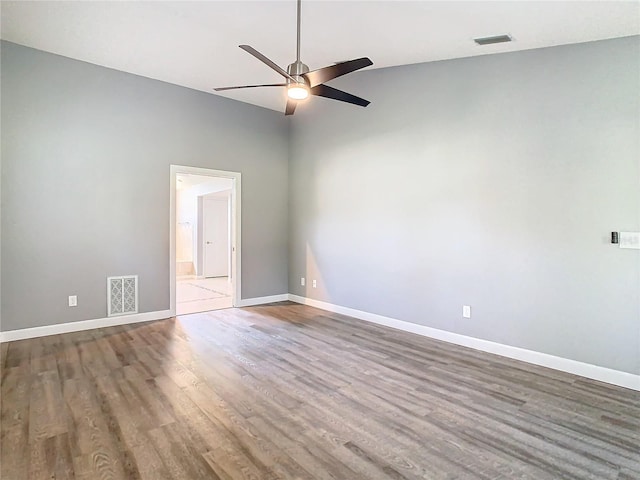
209,243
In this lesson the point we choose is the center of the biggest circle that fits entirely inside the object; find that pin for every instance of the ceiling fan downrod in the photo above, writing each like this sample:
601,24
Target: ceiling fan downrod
298,32
297,85
297,68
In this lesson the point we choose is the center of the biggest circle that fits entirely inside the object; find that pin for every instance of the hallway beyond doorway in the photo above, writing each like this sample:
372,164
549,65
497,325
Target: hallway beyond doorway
196,295
205,253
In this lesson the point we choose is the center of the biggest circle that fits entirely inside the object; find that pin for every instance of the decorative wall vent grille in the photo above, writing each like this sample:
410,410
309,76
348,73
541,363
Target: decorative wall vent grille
122,295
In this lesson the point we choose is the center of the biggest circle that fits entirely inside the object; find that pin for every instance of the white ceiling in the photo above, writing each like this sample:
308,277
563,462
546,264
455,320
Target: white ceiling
195,44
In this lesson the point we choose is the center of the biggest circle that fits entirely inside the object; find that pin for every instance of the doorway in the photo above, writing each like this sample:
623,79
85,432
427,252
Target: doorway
205,221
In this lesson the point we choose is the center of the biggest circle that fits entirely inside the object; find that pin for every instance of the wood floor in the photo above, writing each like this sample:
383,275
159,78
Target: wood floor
291,392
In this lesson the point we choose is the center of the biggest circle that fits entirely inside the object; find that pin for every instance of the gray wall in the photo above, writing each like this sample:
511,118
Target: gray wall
489,181
85,184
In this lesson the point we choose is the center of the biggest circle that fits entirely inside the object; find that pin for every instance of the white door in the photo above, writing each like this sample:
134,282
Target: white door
215,221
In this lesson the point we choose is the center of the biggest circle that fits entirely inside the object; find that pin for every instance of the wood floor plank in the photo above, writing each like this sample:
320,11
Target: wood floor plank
291,443
14,422
290,392
150,463
44,353
94,449
179,455
68,358
51,458
47,416
4,350
131,430
19,353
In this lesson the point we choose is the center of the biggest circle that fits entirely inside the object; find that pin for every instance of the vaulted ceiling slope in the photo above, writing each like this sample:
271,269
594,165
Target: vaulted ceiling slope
195,44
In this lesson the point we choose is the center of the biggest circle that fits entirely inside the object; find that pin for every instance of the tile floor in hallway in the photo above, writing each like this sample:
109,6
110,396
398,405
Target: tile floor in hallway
195,295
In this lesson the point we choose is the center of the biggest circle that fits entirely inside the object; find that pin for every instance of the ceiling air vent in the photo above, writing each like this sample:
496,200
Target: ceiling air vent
490,40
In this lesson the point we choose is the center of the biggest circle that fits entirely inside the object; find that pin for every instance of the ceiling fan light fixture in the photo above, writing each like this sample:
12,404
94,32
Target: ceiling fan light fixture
297,91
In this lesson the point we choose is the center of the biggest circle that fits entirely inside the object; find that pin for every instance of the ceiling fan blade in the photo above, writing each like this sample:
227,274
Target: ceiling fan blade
335,94
291,107
322,75
266,61
220,89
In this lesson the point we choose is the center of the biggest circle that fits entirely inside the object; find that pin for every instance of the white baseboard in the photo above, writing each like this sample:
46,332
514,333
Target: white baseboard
607,375
248,302
34,332
43,331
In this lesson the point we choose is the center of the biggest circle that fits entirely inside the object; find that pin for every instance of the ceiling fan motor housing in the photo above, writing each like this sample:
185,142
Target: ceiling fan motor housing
296,70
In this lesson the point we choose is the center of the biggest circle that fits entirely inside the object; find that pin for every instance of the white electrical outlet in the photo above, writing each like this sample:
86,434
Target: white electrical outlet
466,311
302,282
315,284
73,300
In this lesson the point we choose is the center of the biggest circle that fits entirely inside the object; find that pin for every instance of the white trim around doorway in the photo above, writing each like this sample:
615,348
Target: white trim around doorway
235,229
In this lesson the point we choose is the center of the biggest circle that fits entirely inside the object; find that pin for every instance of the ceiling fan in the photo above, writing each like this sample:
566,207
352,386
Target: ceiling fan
301,82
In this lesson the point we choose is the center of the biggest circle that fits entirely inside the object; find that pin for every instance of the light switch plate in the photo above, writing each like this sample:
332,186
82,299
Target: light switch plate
629,240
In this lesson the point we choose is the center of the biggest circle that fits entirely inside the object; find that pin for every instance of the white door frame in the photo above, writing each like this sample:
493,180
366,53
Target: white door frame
235,229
